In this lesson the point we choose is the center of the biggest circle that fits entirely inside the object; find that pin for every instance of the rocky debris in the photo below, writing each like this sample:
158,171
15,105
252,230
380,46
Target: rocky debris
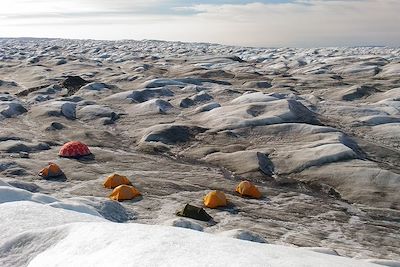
73,84
31,90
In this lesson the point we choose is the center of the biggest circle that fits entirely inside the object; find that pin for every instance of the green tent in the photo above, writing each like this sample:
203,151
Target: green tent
194,213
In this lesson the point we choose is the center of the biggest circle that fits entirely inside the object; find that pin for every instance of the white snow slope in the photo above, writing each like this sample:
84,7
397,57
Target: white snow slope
37,234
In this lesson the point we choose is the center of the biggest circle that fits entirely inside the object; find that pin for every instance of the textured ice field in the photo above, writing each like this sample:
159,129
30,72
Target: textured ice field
318,130
41,235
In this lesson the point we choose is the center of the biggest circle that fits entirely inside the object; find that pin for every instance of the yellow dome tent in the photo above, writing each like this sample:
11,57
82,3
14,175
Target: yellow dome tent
215,199
51,171
124,192
246,188
115,180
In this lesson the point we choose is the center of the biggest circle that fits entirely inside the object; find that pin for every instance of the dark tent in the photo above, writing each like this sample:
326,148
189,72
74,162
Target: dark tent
194,213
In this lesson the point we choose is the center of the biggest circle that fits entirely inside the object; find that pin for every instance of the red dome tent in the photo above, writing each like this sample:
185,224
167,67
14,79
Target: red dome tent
74,149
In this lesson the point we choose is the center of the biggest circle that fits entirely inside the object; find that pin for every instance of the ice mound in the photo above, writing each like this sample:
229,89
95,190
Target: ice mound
377,120
162,82
392,69
12,194
354,92
153,106
110,210
7,97
66,205
96,90
95,86
8,84
389,130
207,107
242,162
253,98
56,108
257,114
180,82
244,235
16,146
3,183
185,223
140,96
170,133
28,229
9,109
358,180
382,262
257,84
392,94
328,251
289,161
94,112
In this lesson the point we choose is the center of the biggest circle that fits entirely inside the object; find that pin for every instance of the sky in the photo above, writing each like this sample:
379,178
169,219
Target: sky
267,23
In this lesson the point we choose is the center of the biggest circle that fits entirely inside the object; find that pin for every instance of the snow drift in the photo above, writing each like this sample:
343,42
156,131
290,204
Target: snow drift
37,234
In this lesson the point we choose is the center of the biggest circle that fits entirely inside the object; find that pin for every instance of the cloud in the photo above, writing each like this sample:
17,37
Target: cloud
307,23
33,7
263,23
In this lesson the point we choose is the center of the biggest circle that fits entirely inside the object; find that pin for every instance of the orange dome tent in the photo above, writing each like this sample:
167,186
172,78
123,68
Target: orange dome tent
51,171
215,199
74,149
245,188
124,192
115,180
